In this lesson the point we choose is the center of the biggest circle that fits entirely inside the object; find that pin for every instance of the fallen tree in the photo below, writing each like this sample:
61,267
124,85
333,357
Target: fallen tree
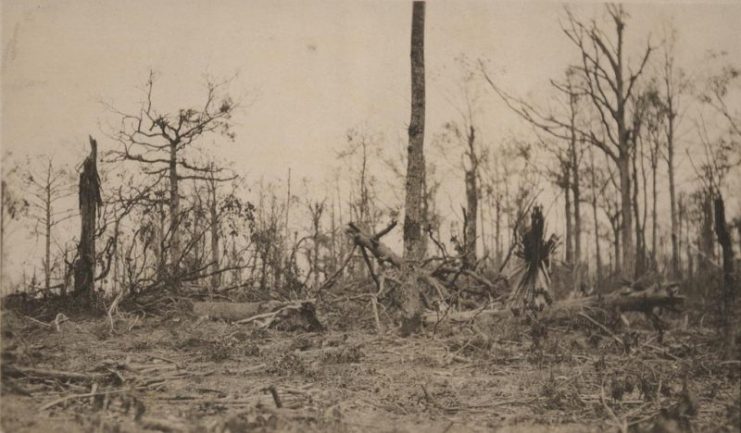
299,315
622,301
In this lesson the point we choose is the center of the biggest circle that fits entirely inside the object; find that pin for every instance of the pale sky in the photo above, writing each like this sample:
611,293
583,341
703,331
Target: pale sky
307,71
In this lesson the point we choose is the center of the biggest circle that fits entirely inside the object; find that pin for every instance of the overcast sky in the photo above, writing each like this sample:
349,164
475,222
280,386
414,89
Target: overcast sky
306,71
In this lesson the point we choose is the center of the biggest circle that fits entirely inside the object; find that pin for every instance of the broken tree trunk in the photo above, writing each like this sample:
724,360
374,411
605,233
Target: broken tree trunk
644,302
300,315
90,200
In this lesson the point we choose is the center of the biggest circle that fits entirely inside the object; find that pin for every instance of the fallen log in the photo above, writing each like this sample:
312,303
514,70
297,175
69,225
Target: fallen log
643,302
292,316
233,311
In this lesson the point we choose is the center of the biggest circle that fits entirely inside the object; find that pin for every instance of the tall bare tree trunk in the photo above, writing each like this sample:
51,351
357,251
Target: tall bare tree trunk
639,245
616,236
286,230
707,243
684,226
498,231
576,192
174,216
728,301
569,224
624,154
160,249
626,230
214,223
574,181
90,200
414,207
472,201
597,251
333,250
47,230
671,116
3,185
654,214
414,245
676,264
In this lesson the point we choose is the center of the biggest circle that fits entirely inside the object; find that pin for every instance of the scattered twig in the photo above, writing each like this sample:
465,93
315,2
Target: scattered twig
604,328
162,358
15,371
620,424
75,396
276,398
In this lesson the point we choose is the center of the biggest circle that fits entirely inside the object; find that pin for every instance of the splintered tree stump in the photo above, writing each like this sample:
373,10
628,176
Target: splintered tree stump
292,316
89,202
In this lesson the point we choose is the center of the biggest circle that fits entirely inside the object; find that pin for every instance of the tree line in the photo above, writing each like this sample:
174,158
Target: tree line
622,128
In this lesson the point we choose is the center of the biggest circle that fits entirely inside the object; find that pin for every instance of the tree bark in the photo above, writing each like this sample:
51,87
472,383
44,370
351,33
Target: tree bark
498,230
675,229
707,243
640,250
576,192
728,301
89,200
626,229
574,181
654,215
174,216
597,251
215,249
414,245
47,229
624,152
569,226
472,201
616,232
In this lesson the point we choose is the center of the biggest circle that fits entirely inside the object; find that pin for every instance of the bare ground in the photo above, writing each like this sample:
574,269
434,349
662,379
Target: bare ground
184,374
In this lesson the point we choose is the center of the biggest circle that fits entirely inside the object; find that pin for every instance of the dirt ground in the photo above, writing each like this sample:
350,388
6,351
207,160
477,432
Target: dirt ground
184,374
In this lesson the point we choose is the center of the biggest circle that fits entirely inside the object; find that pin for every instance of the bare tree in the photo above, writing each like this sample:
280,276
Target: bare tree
48,186
609,84
465,134
472,159
674,85
159,141
414,244
359,154
597,189
316,211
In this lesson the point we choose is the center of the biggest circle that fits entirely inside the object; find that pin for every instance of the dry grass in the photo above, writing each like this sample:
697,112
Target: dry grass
183,375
